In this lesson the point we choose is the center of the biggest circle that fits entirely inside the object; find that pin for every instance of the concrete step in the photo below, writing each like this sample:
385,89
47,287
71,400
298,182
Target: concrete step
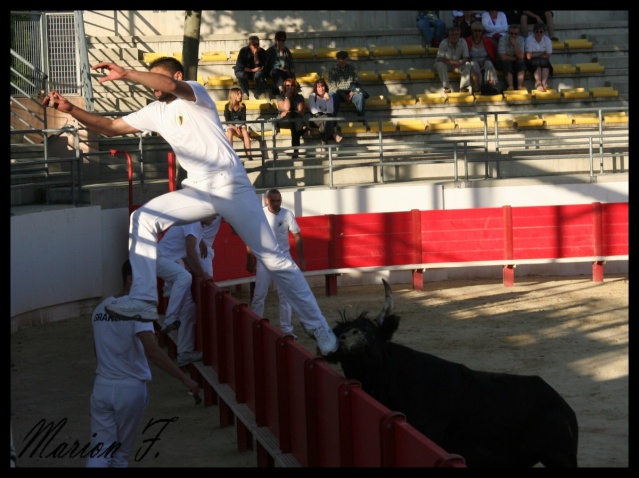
115,54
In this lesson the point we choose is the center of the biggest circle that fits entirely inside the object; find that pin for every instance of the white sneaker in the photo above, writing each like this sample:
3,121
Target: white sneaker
188,357
289,334
326,340
134,309
170,324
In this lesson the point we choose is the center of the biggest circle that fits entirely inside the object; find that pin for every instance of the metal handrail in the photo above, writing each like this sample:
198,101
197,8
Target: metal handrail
491,146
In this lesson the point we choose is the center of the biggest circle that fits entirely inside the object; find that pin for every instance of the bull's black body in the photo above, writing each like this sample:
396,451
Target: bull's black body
491,419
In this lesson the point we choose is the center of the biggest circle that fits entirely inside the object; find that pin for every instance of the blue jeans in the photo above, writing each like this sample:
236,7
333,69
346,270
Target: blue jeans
425,24
357,100
244,77
278,76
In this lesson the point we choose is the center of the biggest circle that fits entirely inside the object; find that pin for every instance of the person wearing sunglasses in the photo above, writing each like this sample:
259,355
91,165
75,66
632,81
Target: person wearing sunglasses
538,51
511,58
482,52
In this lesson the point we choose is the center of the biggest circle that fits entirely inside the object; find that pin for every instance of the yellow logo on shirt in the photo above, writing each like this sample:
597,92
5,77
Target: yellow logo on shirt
180,119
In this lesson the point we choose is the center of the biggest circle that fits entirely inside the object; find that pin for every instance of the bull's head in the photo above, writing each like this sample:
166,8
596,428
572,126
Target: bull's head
362,336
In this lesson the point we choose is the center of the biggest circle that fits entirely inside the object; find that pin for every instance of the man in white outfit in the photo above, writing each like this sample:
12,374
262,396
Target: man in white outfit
282,221
178,261
185,115
120,394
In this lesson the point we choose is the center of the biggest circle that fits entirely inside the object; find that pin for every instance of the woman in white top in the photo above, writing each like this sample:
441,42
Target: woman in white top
320,103
538,51
495,23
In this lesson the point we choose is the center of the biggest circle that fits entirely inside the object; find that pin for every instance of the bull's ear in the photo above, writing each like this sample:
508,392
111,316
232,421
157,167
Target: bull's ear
388,328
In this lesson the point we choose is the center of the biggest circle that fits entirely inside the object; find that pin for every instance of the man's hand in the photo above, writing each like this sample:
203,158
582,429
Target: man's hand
56,101
250,263
192,385
115,72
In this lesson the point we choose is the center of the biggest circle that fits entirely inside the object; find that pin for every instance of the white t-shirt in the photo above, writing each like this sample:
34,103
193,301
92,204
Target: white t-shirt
281,223
173,243
209,232
534,46
194,131
119,351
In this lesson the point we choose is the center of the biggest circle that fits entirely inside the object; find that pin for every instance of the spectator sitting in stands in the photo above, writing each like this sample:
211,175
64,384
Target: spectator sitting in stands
464,19
538,52
343,80
495,24
452,55
292,107
250,64
279,63
235,110
511,58
513,16
427,19
320,102
535,17
482,52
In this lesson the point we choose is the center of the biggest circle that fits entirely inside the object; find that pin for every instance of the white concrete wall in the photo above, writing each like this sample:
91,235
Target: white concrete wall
63,261
102,23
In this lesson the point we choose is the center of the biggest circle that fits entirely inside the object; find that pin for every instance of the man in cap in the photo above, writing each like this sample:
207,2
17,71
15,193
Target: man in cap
251,65
343,81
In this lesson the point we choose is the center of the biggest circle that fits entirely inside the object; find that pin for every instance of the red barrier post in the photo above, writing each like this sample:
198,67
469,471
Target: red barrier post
331,279
172,178
597,232
238,353
283,403
509,269
418,274
387,435
312,418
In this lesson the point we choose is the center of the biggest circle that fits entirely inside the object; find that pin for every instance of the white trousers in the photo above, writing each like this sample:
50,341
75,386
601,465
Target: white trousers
181,305
263,279
117,407
230,194
207,263
442,70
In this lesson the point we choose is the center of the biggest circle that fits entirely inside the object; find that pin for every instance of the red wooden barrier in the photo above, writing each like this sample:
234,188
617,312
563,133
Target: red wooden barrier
301,403
464,236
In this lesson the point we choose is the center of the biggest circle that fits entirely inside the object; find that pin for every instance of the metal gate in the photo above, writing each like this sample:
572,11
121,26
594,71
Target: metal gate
48,41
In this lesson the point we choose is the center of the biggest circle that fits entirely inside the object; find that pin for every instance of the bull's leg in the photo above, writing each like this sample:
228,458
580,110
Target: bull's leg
556,438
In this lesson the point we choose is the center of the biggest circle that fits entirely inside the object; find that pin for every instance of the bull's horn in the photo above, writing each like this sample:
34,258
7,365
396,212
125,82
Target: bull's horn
388,303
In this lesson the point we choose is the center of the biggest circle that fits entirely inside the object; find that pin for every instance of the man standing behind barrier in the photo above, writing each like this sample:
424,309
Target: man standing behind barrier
282,221
120,394
186,117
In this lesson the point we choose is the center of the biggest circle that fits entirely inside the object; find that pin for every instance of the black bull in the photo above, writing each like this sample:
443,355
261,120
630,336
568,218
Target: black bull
490,419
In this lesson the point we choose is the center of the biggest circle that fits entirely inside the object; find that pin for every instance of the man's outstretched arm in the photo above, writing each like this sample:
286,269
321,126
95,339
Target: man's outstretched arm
156,81
93,121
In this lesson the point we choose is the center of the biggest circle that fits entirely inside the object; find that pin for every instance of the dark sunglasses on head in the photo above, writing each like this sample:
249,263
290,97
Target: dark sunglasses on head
539,31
